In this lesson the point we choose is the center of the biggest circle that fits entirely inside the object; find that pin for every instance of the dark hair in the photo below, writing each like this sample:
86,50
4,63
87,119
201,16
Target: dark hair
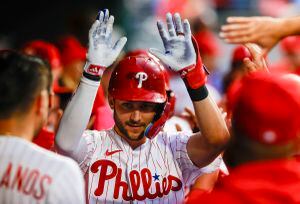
22,77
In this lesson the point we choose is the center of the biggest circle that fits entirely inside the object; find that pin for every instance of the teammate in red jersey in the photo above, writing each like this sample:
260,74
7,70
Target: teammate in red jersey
266,132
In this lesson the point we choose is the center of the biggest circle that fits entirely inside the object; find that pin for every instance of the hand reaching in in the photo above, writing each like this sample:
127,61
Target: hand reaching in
264,31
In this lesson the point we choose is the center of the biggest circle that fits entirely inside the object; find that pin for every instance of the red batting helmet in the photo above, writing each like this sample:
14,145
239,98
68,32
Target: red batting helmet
144,53
170,94
140,78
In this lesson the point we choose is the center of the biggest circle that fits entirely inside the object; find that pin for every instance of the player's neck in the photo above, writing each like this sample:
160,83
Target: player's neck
17,127
132,144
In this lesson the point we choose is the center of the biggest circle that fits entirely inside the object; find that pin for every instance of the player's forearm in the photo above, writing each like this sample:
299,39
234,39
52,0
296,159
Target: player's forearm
204,147
289,26
211,123
76,116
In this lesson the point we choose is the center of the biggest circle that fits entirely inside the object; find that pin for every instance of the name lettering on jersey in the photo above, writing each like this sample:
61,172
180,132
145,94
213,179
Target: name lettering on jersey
108,170
24,180
141,76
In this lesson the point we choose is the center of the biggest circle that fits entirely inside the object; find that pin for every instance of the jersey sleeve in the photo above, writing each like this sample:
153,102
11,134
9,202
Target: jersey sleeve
75,118
190,172
86,149
68,185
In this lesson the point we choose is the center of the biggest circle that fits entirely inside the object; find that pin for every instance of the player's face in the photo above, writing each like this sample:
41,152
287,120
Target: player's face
132,118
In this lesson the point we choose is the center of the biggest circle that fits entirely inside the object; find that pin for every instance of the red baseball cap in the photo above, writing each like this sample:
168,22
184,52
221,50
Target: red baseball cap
45,50
267,108
291,44
240,53
207,43
71,50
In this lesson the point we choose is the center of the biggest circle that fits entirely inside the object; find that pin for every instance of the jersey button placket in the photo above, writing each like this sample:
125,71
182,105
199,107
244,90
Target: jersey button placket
135,160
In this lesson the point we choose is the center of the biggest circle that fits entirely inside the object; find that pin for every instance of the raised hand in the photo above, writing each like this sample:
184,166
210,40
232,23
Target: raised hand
258,62
179,51
264,31
102,51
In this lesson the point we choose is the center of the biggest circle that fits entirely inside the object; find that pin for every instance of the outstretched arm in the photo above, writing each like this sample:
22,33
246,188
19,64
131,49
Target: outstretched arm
264,31
183,57
101,54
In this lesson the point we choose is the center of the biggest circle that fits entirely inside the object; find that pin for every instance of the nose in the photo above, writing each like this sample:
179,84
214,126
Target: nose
136,116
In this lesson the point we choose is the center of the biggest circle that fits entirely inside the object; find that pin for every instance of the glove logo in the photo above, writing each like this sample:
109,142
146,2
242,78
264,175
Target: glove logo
95,70
141,76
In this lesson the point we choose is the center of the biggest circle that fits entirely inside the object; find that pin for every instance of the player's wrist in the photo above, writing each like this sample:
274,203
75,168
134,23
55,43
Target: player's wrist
198,94
289,26
93,71
195,75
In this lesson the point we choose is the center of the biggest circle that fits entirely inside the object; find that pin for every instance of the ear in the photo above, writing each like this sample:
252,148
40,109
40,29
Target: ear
43,102
111,102
52,101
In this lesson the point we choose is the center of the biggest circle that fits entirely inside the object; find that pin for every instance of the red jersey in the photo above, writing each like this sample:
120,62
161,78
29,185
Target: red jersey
275,181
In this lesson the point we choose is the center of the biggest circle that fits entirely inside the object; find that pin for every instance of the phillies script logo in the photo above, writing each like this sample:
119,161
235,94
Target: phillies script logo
137,179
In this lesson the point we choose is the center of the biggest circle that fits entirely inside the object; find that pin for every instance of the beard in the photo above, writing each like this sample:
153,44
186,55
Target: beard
123,130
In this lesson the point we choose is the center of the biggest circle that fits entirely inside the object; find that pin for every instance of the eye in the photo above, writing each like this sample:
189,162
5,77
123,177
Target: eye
127,106
148,107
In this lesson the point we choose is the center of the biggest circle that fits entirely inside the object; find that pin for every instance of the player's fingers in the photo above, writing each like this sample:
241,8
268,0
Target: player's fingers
236,19
109,27
187,28
235,34
249,65
120,44
93,34
100,16
162,32
93,29
170,25
106,15
235,27
255,51
188,110
103,26
259,56
265,51
178,24
178,127
238,40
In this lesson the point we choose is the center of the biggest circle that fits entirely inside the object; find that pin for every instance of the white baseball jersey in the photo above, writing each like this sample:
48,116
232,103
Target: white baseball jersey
155,172
30,174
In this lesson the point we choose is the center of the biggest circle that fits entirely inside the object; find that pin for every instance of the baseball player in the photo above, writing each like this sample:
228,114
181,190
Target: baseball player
133,162
30,174
266,141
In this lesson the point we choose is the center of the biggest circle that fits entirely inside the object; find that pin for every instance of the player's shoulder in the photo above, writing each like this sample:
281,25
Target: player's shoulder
54,157
33,152
96,133
169,136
